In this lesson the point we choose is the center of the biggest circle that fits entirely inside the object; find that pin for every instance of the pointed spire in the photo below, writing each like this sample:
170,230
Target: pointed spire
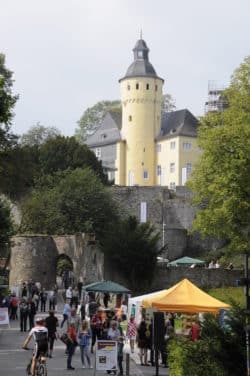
141,33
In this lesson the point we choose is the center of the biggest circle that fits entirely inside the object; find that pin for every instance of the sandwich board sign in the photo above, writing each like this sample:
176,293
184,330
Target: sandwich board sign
106,355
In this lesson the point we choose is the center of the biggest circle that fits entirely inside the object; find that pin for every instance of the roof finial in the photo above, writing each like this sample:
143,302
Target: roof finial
141,33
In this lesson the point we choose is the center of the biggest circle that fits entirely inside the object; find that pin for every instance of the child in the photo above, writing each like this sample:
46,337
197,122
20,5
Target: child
120,346
84,336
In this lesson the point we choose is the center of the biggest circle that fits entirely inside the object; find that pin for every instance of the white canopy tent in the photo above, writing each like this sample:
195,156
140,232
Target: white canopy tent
136,300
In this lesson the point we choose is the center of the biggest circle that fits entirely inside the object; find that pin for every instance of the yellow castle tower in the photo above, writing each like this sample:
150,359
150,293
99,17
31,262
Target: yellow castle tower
141,95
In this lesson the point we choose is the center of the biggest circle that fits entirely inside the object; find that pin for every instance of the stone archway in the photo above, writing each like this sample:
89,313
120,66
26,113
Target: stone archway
64,271
35,257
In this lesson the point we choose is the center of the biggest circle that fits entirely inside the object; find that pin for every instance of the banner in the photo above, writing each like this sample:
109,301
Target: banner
4,316
106,355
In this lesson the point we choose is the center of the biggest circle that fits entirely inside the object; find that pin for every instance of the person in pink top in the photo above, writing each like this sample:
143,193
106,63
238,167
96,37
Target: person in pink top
131,332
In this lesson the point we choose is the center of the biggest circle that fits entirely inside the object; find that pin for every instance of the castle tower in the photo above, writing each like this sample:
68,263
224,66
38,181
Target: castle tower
141,94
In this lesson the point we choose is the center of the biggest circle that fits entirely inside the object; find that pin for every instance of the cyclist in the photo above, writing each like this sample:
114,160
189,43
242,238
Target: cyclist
40,336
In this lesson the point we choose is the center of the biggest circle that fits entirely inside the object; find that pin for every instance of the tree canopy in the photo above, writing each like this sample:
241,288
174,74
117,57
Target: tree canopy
21,166
68,202
6,224
61,153
38,134
7,103
92,118
133,248
168,103
221,180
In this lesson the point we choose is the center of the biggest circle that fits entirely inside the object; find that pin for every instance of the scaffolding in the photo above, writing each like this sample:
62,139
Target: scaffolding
215,102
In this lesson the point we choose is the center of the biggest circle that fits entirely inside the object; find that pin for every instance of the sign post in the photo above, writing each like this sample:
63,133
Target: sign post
106,355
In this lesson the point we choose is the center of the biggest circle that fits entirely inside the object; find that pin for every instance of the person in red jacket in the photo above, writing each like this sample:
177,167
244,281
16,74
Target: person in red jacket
195,331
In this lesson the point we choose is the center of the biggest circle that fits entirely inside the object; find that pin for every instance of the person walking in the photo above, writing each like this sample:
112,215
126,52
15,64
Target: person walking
84,337
13,306
51,323
43,299
66,313
142,342
96,327
131,332
71,345
23,307
120,345
31,312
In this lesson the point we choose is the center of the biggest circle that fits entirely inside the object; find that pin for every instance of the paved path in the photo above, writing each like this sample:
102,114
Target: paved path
13,359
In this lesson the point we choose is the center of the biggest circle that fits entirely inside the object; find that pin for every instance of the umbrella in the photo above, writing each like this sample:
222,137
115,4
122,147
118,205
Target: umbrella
107,286
186,261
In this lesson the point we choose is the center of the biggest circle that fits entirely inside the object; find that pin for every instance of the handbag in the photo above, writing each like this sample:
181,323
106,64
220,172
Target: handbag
65,339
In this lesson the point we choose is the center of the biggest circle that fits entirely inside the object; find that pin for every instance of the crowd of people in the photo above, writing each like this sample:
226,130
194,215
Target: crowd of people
88,318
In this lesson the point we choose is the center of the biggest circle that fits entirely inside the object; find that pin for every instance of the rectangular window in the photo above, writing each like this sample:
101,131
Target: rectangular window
98,153
145,175
130,118
187,146
172,145
158,170
189,168
143,212
158,148
156,87
172,167
147,86
172,185
128,87
137,86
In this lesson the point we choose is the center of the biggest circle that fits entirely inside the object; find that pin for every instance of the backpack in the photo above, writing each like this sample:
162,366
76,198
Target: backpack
41,339
14,301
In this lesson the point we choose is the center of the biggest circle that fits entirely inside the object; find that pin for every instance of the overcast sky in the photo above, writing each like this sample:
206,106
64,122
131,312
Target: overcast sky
67,55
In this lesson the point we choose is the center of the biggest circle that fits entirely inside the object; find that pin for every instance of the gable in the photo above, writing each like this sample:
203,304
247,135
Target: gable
178,123
108,132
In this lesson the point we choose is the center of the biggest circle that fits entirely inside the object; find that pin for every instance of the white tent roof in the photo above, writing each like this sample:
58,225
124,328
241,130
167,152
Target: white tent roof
136,300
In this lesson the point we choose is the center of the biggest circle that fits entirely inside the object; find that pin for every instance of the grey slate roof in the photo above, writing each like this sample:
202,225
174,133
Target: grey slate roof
108,132
141,67
178,123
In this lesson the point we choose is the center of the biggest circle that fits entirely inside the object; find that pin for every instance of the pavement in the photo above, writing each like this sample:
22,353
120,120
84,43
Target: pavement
13,359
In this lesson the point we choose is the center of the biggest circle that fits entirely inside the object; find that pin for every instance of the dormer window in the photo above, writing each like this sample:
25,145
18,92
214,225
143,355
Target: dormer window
103,136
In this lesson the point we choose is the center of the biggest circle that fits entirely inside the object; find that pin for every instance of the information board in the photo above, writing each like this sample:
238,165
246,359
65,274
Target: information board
106,355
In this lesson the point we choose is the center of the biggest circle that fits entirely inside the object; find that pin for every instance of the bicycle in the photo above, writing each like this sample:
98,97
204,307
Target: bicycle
41,368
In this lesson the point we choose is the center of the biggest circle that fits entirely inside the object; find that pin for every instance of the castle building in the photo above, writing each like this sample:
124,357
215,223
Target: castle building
141,145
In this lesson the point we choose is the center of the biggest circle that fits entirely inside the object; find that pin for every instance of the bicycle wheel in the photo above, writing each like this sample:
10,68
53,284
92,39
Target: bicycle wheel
41,369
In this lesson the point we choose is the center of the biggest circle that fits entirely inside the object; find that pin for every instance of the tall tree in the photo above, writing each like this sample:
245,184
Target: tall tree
168,103
92,117
68,202
221,180
18,170
7,103
133,249
38,135
61,153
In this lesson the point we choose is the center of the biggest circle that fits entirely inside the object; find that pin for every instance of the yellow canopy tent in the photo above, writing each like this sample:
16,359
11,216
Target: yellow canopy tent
184,297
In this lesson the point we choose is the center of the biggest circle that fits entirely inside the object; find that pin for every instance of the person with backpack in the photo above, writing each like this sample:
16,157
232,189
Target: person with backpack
13,306
24,310
31,312
43,299
51,323
40,336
